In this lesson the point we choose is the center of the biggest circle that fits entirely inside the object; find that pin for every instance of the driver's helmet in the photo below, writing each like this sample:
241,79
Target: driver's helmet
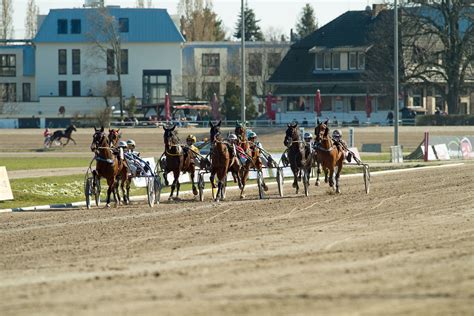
308,136
191,138
251,135
131,144
122,144
337,134
232,137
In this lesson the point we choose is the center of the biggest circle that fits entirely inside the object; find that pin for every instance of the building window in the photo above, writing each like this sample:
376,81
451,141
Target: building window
113,88
327,61
7,65
123,25
319,61
253,88
62,26
273,60
8,92
210,64
191,90
26,92
124,62
62,62
352,60
76,88
75,26
255,64
76,61
417,97
336,61
361,63
62,88
209,88
110,62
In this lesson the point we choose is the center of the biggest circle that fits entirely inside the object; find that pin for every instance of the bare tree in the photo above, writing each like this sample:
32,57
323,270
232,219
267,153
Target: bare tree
31,26
149,4
199,22
6,22
140,3
107,48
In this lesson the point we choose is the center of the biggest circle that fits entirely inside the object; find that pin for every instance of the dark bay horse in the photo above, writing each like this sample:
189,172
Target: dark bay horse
177,161
220,161
253,153
329,156
113,139
107,165
57,135
296,154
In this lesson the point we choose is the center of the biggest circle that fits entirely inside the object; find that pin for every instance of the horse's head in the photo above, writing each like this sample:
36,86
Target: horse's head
292,134
170,136
320,130
98,139
215,131
73,128
114,137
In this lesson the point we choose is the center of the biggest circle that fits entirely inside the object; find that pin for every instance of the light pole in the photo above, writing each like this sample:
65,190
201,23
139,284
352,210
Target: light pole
242,66
395,74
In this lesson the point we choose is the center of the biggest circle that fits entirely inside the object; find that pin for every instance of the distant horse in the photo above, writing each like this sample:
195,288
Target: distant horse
329,156
57,135
113,139
252,151
107,165
220,161
298,160
177,161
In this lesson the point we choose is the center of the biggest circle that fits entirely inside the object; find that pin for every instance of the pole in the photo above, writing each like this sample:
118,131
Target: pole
395,75
242,66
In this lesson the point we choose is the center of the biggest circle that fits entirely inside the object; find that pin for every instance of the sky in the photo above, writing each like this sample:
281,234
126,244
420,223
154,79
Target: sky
274,15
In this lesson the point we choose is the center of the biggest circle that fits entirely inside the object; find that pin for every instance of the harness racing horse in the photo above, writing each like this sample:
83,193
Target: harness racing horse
113,139
252,152
107,165
329,156
57,135
298,160
220,161
177,161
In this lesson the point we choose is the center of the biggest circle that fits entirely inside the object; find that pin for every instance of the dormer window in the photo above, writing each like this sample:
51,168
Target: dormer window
123,25
62,26
336,61
361,58
327,61
352,61
319,61
75,26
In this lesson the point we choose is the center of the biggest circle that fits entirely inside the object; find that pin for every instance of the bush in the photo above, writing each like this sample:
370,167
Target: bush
450,120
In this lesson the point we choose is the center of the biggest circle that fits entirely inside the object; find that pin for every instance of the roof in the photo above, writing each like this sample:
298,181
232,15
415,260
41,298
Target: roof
145,25
350,32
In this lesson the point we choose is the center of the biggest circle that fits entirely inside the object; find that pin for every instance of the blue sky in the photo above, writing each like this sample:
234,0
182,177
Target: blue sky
276,15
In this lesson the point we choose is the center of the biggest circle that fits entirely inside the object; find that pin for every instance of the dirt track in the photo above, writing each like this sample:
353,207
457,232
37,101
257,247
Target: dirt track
406,248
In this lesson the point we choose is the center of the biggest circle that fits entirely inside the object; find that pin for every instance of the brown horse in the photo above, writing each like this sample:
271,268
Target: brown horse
253,153
177,161
299,162
220,161
123,176
329,156
107,165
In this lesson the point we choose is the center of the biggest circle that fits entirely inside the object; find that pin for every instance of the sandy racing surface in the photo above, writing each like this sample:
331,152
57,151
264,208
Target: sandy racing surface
406,248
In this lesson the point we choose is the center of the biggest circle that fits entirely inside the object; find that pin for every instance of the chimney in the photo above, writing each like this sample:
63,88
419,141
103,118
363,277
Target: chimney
377,8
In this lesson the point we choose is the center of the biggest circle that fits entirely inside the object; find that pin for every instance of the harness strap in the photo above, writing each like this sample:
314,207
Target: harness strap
110,161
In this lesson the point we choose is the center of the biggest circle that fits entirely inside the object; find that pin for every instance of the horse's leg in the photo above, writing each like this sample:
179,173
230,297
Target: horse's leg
110,190
244,177
195,191
73,140
318,172
331,176
116,189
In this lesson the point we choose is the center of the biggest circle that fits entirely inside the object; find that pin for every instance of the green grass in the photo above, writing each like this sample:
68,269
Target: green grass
27,163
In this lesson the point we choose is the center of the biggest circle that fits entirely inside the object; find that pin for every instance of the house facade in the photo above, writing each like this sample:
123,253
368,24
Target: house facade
75,64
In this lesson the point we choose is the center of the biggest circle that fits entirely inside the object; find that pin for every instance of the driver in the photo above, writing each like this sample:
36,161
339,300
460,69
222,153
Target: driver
190,141
254,145
341,144
308,139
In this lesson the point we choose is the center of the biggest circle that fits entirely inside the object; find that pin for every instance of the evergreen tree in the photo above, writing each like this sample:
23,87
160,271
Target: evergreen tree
307,22
252,29
232,107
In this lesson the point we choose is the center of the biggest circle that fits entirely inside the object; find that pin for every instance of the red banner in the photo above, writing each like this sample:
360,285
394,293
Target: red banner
167,107
317,103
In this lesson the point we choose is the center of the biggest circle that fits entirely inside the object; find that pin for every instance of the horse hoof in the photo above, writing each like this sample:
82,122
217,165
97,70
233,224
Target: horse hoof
296,191
338,190
107,205
294,187
242,196
265,187
317,183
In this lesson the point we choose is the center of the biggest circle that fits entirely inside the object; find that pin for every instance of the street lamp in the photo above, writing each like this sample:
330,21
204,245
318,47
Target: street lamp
242,65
